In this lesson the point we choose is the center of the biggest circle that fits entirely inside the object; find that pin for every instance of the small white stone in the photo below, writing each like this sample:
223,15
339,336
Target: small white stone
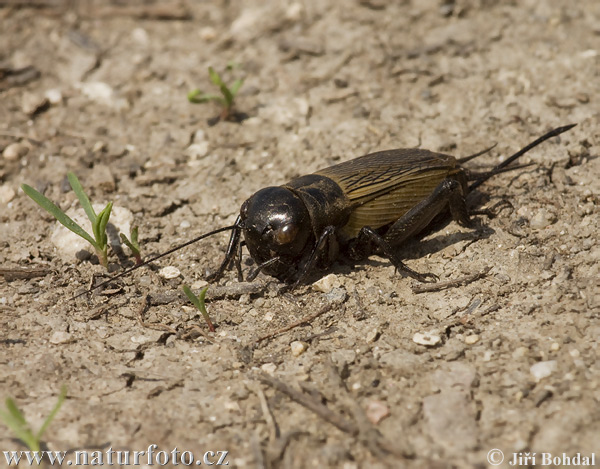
542,370
169,272
555,346
141,339
7,194
326,284
298,348
269,368
269,316
54,96
427,339
60,337
197,150
208,33
542,219
471,339
14,151
376,411
32,103
140,36
185,224
198,284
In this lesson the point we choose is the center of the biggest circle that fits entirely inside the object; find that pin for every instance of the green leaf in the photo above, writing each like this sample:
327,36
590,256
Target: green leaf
197,97
61,398
57,213
214,77
227,94
103,218
14,411
236,86
15,420
134,238
198,302
82,196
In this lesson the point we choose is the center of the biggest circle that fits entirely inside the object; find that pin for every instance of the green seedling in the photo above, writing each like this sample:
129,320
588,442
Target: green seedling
199,304
99,221
225,99
14,419
132,244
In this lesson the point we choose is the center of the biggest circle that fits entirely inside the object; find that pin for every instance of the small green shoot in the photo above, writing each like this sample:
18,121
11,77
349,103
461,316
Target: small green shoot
132,244
99,240
199,304
14,419
225,99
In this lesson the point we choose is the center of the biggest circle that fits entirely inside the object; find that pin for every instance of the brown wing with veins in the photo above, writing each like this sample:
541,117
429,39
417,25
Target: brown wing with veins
385,185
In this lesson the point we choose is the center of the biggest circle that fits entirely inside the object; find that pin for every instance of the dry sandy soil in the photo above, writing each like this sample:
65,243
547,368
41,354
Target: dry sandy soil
99,88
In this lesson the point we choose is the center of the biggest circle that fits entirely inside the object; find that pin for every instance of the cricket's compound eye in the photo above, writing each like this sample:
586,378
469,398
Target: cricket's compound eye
285,234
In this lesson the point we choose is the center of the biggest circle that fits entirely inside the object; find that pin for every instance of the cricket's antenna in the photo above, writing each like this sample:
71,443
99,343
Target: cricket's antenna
501,167
152,259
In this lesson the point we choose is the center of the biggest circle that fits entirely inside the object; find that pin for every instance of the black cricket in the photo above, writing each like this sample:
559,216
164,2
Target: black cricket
371,204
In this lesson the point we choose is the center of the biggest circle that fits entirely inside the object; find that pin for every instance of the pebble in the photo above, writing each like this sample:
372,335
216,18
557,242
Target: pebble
326,284
337,295
208,33
197,150
427,339
54,96
373,335
542,219
14,151
298,348
7,194
32,103
542,370
471,339
169,272
376,411
60,337
269,368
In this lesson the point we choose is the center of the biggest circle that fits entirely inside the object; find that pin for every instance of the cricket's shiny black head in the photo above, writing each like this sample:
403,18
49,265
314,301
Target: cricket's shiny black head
276,223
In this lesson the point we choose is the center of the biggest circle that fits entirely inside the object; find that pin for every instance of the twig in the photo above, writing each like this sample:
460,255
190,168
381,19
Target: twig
13,273
311,404
215,292
431,287
267,414
196,328
304,320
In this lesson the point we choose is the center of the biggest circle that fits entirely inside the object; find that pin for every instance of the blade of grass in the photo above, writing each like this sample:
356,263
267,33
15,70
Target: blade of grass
228,96
197,96
18,425
103,218
82,196
198,302
14,411
57,213
235,87
61,398
214,76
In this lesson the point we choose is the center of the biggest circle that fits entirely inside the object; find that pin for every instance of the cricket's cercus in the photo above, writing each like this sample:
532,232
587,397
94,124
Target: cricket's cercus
371,204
